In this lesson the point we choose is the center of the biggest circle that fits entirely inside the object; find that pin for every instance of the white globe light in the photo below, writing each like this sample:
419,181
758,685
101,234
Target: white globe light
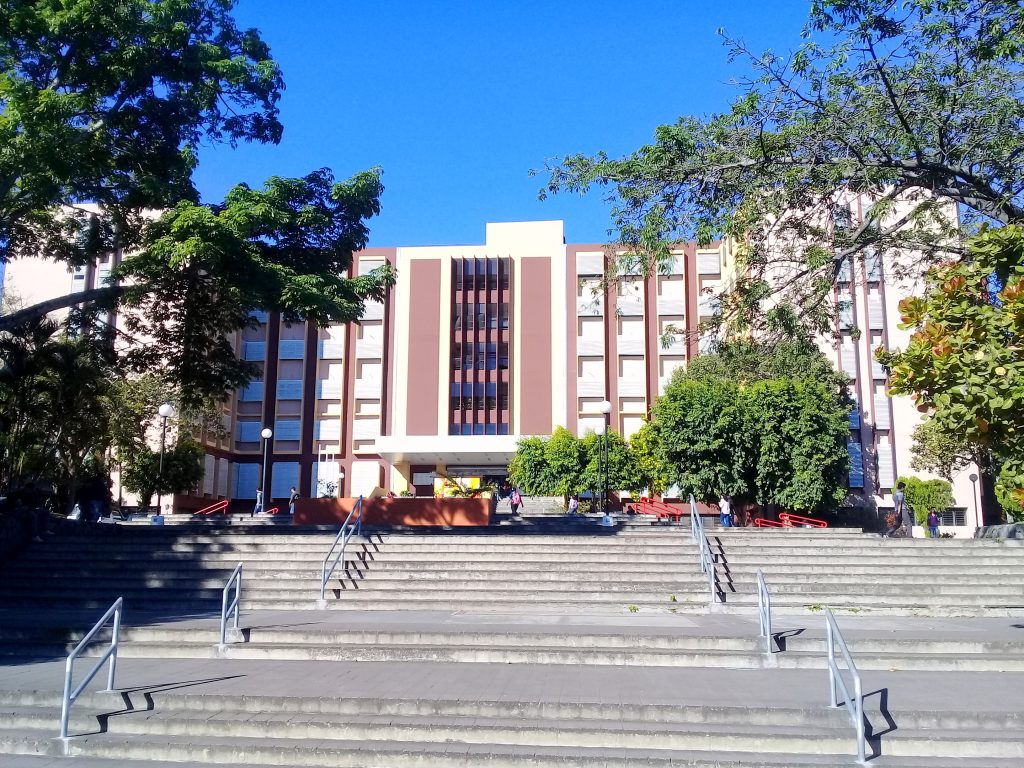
599,430
166,411
267,433
606,407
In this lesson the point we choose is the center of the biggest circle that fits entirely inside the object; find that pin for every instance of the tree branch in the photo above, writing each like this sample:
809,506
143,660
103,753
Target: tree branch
9,322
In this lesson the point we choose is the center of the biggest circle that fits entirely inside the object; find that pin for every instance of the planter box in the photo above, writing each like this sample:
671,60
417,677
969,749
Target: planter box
398,511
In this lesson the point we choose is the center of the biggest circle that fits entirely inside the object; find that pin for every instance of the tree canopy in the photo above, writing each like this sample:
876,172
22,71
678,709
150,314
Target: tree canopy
917,105
107,102
765,425
963,365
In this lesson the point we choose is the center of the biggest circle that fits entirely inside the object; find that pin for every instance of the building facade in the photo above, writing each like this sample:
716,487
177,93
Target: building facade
478,345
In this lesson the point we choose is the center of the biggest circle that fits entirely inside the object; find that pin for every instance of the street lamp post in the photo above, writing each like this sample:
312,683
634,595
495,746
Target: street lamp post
266,434
974,495
606,409
165,411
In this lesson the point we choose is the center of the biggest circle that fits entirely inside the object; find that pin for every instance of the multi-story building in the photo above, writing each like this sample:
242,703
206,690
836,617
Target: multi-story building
478,345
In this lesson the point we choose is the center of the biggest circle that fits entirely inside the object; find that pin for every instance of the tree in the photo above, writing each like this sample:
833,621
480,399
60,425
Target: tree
963,364
924,496
107,103
182,470
529,470
798,430
762,424
644,445
919,105
54,406
201,270
701,438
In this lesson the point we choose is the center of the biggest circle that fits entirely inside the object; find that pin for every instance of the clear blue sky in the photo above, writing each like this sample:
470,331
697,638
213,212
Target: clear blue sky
458,100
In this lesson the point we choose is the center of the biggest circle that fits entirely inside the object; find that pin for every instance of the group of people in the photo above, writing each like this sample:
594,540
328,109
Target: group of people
903,517
258,508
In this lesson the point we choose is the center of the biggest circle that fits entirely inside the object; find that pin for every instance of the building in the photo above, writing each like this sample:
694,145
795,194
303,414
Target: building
478,345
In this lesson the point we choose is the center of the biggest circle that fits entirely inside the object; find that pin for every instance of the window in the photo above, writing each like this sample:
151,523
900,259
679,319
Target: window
467,429
457,356
503,395
481,316
457,317
492,429
481,356
492,396
478,429
456,396
467,396
492,274
503,308
492,316
503,429
457,276
492,357
453,429
503,356
506,267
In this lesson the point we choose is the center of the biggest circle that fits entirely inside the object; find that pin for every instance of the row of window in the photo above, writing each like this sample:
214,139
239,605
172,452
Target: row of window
479,356
480,316
480,395
480,274
478,429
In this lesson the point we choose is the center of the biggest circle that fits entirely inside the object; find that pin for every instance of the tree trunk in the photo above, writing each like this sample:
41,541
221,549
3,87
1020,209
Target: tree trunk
14,319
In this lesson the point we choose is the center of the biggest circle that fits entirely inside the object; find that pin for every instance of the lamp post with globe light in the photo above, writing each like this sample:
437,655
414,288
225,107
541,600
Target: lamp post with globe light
974,495
266,434
165,411
606,409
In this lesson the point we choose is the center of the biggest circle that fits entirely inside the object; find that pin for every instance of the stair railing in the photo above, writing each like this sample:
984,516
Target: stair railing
234,580
707,560
348,529
854,704
111,653
764,611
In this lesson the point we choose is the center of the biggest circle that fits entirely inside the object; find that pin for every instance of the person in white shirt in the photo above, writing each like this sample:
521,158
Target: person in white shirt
725,510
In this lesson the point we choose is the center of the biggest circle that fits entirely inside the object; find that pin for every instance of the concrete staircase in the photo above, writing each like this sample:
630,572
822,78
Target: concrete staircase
854,573
586,569
546,643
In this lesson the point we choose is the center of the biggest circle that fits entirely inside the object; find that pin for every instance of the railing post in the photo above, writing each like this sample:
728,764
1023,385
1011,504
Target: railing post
236,579
110,654
114,645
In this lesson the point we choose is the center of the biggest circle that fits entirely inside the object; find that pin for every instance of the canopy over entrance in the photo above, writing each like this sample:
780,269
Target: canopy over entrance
478,451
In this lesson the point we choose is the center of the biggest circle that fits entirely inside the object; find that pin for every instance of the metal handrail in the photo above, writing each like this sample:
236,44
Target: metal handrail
215,508
111,653
790,520
348,528
225,609
855,704
707,560
764,611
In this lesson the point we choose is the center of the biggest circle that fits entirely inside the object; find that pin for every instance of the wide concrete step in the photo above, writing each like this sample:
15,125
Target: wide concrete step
395,737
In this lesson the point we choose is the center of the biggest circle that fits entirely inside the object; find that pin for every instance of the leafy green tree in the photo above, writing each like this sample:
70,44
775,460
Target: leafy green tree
54,406
565,456
798,430
926,495
182,470
202,269
764,424
919,105
529,471
963,364
624,472
107,103
702,443
644,446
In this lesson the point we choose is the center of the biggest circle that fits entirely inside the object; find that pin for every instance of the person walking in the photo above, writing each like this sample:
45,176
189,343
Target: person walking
574,505
725,511
291,500
258,508
516,501
933,524
899,502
